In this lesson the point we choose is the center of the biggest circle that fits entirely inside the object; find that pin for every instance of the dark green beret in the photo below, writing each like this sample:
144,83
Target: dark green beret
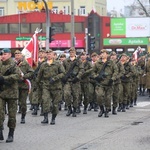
6,50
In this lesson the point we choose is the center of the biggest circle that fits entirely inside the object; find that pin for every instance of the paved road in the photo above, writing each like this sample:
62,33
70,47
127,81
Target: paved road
125,131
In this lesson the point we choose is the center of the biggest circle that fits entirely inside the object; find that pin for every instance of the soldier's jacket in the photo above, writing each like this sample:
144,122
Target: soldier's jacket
48,71
78,69
110,71
10,87
0,63
27,71
86,65
121,72
127,77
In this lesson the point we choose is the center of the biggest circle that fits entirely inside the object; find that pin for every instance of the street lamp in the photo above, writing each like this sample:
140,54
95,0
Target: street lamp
47,22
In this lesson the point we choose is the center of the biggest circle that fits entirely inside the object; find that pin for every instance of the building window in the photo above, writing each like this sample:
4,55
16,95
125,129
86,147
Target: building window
82,10
66,10
34,26
25,28
1,11
55,10
13,28
3,28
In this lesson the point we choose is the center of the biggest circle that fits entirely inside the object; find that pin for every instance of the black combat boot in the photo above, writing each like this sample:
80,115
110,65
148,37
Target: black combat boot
119,107
69,111
101,111
10,135
45,121
65,107
131,103
1,134
35,108
95,107
143,92
106,113
59,106
74,112
114,111
127,106
135,101
53,119
85,110
41,114
78,110
124,108
90,107
23,118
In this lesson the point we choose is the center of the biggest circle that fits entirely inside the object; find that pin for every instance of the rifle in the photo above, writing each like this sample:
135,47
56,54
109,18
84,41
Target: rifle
8,72
70,71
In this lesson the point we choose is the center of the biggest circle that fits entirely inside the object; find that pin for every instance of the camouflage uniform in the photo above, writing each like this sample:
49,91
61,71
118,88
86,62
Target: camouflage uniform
72,86
9,93
50,75
27,72
104,86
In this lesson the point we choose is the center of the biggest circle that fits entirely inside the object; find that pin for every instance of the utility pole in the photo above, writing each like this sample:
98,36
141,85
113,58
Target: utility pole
72,24
48,24
86,40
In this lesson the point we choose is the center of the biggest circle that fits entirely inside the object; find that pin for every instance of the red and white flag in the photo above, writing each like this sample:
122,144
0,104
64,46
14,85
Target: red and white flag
136,53
30,51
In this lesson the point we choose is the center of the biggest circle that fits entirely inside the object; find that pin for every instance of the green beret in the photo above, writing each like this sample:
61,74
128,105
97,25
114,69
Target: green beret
6,50
49,51
18,52
72,49
104,51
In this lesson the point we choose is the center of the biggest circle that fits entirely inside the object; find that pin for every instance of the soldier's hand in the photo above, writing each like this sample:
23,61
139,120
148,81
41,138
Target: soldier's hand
1,80
110,82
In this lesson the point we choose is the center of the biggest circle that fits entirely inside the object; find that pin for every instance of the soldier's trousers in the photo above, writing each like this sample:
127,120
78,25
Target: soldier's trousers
104,94
12,109
23,93
85,92
115,95
134,91
2,112
126,91
50,100
92,94
120,96
72,93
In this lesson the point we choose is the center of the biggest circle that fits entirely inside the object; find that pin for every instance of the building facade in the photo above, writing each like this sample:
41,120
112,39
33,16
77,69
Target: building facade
81,7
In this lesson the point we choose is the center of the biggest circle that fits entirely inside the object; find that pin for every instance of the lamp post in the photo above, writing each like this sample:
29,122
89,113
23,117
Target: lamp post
47,24
72,24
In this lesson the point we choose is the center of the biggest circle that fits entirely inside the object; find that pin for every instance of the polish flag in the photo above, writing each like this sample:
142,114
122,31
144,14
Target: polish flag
136,53
30,51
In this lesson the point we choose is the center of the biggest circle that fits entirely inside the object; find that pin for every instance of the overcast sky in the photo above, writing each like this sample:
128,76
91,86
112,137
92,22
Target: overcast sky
117,4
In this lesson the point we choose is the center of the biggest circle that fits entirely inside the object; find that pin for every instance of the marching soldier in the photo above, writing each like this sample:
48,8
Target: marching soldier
9,76
85,84
74,71
26,72
50,74
117,86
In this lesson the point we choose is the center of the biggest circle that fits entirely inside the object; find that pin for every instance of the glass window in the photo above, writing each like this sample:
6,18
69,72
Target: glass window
34,26
13,28
55,9
3,28
25,28
78,27
1,11
82,10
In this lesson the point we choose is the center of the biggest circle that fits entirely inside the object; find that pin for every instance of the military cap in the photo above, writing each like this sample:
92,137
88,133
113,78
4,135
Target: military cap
49,51
83,53
72,49
113,53
124,54
104,51
62,55
42,50
17,52
94,54
6,50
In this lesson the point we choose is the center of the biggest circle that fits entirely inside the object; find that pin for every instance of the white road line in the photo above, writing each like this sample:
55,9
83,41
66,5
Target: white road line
142,104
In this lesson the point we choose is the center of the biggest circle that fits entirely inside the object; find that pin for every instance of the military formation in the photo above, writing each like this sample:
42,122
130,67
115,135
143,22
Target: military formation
105,82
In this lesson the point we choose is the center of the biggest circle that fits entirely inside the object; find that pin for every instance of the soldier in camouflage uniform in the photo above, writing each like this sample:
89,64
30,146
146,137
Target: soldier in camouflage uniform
72,87
50,75
37,88
117,86
9,76
85,84
105,73
26,72
126,79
